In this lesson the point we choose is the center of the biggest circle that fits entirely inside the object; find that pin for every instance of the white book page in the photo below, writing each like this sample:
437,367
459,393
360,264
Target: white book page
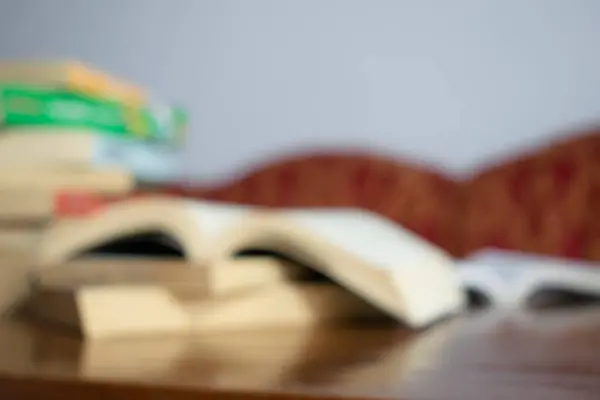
367,235
213,218
516,276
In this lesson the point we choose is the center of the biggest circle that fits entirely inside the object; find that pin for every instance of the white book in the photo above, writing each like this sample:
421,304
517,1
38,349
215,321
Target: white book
513,279
75,148
382,263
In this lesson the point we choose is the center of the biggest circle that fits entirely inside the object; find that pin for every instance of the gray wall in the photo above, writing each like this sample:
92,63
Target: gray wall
450,82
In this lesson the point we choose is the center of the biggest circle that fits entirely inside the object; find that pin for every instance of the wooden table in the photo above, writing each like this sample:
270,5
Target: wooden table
549,355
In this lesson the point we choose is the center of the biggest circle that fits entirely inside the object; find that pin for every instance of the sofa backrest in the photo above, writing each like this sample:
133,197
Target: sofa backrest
536,203
419,198
546,201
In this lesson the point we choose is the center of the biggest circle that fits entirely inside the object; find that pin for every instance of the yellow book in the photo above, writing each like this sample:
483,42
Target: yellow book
73,75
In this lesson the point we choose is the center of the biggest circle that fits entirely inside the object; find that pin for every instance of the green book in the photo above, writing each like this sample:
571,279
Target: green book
22,105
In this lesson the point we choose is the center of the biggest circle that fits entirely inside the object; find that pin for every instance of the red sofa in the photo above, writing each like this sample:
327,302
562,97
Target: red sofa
544,201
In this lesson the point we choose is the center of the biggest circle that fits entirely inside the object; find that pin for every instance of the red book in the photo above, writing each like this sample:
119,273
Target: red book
78,205
82,204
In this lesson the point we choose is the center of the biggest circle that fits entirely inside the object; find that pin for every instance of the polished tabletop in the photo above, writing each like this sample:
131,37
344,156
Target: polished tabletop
551,354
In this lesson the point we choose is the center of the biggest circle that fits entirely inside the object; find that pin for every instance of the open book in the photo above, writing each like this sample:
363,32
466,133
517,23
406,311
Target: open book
503,278
379,262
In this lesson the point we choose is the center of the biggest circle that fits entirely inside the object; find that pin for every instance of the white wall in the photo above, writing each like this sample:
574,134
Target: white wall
450,82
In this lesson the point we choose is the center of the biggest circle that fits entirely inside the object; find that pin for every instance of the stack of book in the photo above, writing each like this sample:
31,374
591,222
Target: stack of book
66,127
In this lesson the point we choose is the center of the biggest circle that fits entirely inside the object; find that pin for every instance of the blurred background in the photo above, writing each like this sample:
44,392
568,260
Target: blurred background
451,83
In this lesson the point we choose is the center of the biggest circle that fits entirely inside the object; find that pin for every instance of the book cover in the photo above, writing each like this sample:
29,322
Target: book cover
22,105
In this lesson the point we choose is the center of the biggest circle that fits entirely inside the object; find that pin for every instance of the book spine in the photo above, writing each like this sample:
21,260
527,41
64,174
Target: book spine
81,204
27,106
146,161
71,204
94,83
72,75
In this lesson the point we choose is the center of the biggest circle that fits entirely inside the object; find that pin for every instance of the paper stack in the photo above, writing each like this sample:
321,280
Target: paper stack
68,128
